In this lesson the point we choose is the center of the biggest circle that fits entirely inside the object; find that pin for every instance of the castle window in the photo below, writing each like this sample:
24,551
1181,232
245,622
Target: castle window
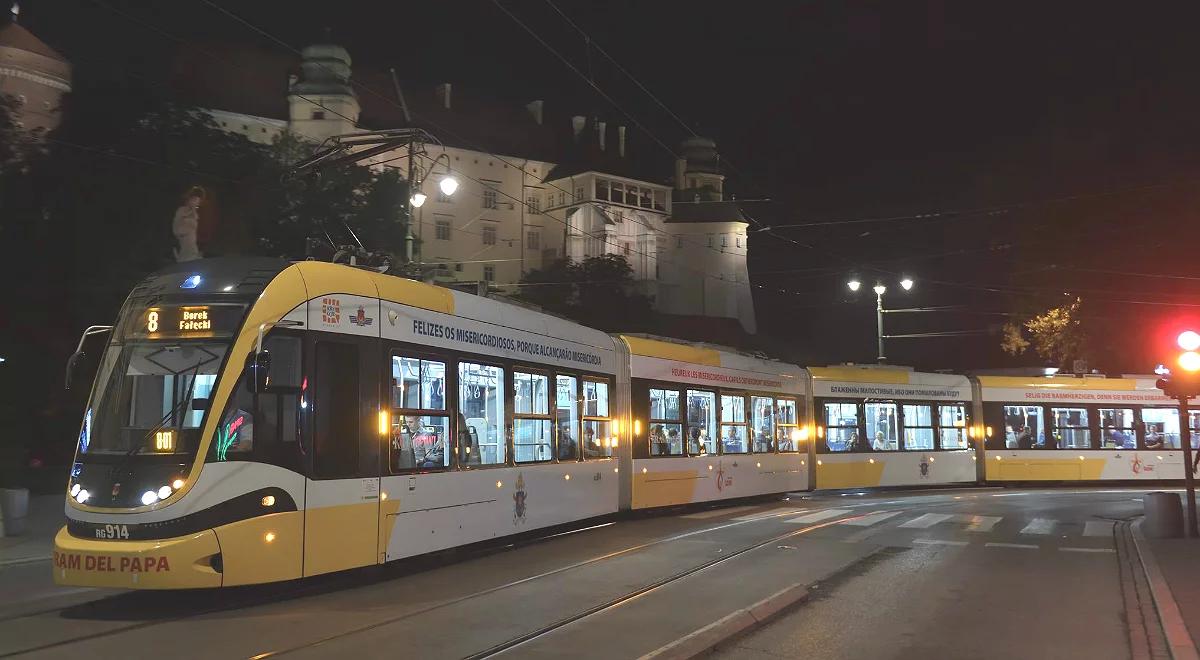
318,114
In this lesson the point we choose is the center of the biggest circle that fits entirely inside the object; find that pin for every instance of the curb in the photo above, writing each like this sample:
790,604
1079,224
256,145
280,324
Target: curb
703,640
1179,640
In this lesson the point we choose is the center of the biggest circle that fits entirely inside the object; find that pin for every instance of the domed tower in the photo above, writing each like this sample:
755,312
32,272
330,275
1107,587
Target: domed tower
699,170
34,74
321,101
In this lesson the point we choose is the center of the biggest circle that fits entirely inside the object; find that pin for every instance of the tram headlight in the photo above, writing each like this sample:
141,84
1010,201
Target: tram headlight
82,496
177,484
75,488
149,497
164,492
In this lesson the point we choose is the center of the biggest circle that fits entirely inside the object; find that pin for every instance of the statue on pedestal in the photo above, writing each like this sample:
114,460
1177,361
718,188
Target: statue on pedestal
186,224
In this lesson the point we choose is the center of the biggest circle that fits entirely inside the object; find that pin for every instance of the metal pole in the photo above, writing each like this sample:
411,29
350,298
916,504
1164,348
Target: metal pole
1189,483
879,324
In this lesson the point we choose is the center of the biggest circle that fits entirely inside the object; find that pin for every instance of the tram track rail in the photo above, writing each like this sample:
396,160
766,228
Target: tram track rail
589,611
267,594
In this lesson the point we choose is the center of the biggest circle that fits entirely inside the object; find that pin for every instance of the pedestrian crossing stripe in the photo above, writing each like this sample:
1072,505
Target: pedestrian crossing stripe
926,521
1039,526
819,516
871,518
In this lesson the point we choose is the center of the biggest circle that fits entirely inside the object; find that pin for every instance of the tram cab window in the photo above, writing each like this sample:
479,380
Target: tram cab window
952,427
420,433
882,426
762,423
481,438
918,427
1070,430
532,440
266,432
701,422
666,432
787,425
598,439
1162,428
1117,429
733,424
567,414
1023,427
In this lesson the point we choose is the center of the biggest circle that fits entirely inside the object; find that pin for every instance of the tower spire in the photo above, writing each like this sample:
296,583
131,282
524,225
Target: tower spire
16,11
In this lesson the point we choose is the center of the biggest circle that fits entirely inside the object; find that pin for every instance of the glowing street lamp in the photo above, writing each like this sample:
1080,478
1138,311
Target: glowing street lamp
854,285
906,284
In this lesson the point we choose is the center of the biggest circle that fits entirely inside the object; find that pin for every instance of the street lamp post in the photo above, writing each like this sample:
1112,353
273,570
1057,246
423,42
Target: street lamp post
879,289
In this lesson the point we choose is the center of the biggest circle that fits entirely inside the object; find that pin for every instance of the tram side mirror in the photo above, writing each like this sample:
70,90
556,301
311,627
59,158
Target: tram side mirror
72,363
258,367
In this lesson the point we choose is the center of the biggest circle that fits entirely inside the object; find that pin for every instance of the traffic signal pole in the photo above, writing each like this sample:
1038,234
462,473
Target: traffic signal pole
1189,482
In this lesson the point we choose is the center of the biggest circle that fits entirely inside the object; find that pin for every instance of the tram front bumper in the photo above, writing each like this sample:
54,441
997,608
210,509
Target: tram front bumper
185,562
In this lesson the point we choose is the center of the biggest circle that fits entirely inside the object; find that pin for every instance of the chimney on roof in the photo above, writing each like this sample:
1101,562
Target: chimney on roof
443,94
577,123
535,109
621,141
600,131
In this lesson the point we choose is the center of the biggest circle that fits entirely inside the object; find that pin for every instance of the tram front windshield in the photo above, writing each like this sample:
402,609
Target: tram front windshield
150,400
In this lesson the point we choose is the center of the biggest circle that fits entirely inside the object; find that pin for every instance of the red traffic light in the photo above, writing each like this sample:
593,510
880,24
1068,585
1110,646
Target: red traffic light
1189,361
1188,340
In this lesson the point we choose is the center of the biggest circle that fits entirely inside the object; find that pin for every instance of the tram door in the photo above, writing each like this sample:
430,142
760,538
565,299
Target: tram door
341,515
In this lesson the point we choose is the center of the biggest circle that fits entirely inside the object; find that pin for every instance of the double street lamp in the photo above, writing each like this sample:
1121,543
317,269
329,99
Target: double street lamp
879,289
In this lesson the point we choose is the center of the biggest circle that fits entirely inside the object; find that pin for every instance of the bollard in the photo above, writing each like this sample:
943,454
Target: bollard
1164,515
14,511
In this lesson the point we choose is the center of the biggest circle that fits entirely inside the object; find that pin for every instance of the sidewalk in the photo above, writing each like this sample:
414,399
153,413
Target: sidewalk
45,519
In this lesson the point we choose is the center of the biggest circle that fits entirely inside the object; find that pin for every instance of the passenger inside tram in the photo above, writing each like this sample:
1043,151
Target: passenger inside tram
1154,436
567,451
674,441
658,441
590,448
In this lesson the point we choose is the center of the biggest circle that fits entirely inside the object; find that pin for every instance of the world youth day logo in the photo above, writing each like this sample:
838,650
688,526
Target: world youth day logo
331,310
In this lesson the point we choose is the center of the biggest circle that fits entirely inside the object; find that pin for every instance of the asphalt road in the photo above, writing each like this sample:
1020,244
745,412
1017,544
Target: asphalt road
1042,581
978,573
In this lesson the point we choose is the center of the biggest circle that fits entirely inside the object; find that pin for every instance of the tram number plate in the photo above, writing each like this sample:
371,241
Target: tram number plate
112,532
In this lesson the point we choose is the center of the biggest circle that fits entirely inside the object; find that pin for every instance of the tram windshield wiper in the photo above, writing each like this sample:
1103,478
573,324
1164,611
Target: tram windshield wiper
173,412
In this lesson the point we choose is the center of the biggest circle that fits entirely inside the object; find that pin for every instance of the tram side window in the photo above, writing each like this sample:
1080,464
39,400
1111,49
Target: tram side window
1023,428
701,422
420,423
1162,428
666,432
762,423
531,412
481,438
1071,428
567,412
335,410
733,424
918,427
787,425
841,426
598,440
1117,429
882,426
952,426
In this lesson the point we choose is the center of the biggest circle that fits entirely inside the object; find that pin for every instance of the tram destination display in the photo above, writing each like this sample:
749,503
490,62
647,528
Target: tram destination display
187,321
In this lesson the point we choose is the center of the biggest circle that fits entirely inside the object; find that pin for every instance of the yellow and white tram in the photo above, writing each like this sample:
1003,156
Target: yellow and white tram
891,426
1081,429
254,420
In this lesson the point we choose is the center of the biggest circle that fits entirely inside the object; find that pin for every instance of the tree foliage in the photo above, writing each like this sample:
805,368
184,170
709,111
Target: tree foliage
599,292
1056,335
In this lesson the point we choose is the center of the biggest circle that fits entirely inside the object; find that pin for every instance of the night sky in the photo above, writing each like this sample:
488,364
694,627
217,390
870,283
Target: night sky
1020,151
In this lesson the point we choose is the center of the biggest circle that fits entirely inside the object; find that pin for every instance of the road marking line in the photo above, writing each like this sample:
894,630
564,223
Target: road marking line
819,516
1039,526
773,513
1098,528
718,512
926,521
871,518
1087,549
980,523
938,542
1023,546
